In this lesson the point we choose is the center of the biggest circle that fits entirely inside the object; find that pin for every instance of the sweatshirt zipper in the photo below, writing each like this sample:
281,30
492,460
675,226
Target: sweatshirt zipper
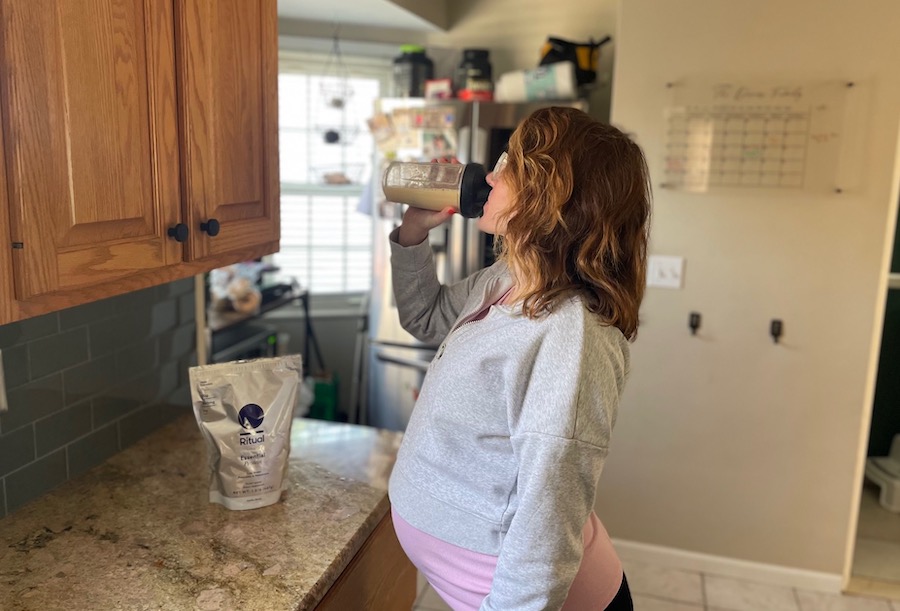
468,322
456,330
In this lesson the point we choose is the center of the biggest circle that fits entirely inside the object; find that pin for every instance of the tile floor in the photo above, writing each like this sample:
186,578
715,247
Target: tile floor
877,553
657,588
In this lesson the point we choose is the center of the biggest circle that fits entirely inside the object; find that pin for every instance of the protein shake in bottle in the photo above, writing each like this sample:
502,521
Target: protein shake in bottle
436,186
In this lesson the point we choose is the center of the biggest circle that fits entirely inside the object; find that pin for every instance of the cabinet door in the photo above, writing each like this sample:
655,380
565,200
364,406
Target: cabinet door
228,72
88,99
379,578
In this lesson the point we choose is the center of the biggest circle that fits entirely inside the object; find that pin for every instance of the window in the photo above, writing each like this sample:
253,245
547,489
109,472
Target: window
326,244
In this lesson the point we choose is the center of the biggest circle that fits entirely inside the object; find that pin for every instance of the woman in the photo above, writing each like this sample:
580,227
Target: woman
493,491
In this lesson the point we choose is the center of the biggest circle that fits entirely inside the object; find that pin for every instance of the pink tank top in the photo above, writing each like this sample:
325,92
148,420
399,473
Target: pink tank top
463,578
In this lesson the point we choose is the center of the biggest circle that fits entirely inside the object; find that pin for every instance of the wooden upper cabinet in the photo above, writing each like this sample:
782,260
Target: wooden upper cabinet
122,121
227,71
88,99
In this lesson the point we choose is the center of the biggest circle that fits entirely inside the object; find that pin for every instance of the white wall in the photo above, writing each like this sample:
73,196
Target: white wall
726,443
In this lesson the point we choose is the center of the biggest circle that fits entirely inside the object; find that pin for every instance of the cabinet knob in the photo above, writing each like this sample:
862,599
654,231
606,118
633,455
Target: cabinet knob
179,232
211,227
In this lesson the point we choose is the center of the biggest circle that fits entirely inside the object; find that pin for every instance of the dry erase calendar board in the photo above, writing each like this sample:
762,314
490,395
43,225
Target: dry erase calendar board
766,137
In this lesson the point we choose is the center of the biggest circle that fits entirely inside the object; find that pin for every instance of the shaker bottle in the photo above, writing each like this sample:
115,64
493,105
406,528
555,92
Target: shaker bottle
436,186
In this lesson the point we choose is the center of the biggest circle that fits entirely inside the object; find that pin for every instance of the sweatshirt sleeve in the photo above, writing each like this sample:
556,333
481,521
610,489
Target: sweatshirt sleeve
560,435
427,308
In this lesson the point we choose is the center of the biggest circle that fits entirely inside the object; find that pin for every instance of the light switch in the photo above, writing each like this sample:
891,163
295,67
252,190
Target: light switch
665,272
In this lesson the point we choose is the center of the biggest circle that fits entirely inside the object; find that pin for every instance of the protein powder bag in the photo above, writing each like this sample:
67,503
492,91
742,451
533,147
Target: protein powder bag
244,410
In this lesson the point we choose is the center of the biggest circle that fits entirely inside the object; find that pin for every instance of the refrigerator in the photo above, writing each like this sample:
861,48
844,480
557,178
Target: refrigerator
419,130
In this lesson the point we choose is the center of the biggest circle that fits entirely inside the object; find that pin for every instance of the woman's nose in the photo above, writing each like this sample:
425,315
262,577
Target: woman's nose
490,179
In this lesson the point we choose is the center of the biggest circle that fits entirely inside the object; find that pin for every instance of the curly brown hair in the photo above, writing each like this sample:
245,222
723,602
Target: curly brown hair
578,219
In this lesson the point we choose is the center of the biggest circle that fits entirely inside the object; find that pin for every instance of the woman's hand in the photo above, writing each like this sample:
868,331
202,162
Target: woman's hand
417,222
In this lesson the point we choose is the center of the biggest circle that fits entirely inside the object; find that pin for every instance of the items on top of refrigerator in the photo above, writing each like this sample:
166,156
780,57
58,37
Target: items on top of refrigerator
439,89
567,71
411,69
584,56
552,82
473,76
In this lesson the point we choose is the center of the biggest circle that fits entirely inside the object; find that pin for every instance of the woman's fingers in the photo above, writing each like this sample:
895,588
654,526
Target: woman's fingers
418,222
427,219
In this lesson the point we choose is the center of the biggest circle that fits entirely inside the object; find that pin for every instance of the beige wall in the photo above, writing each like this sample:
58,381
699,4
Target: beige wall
515,30
433,11
349,33
726,443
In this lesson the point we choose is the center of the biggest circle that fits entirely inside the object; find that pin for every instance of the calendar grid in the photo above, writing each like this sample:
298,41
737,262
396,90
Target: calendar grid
755,147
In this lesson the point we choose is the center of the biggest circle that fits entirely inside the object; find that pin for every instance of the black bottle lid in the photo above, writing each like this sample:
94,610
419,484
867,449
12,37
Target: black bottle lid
473,191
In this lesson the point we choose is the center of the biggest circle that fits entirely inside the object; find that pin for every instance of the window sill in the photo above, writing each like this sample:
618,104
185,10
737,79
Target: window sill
342,305
296,311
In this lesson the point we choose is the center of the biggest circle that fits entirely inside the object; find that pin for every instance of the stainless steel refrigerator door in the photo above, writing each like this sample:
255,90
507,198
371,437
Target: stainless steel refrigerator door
393,377
459,250
398,374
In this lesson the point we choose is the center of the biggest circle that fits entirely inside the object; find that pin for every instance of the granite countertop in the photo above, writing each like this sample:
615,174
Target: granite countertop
138,532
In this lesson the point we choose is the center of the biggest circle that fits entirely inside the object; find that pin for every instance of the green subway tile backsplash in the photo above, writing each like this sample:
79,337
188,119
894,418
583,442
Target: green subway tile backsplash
111,406
62,427
92,449
115,333
176,342
87,313
163,316
136,426
28,330
35,479
58,352
15,365
88,379
138,357
179,287
87,382
33,401
139,299
16,449
186,308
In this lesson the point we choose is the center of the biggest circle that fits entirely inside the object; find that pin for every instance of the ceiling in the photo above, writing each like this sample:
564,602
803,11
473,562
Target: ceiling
375,13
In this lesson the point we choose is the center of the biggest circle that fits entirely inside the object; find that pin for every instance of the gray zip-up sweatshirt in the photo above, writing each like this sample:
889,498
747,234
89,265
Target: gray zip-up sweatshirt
511,429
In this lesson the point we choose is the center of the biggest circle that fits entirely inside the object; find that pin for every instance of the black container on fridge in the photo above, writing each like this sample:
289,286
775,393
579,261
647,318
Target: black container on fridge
474,70
411,69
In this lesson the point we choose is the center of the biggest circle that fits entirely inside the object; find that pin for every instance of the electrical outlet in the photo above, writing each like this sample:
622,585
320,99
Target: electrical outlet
4,406
665,271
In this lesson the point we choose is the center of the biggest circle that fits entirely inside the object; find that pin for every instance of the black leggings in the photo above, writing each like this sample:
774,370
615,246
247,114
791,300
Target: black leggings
622,601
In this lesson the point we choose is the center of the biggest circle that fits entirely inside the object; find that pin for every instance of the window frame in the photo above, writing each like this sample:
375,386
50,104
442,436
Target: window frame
319,64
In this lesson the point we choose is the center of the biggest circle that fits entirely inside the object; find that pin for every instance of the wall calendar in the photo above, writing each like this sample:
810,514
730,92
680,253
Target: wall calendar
759,136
